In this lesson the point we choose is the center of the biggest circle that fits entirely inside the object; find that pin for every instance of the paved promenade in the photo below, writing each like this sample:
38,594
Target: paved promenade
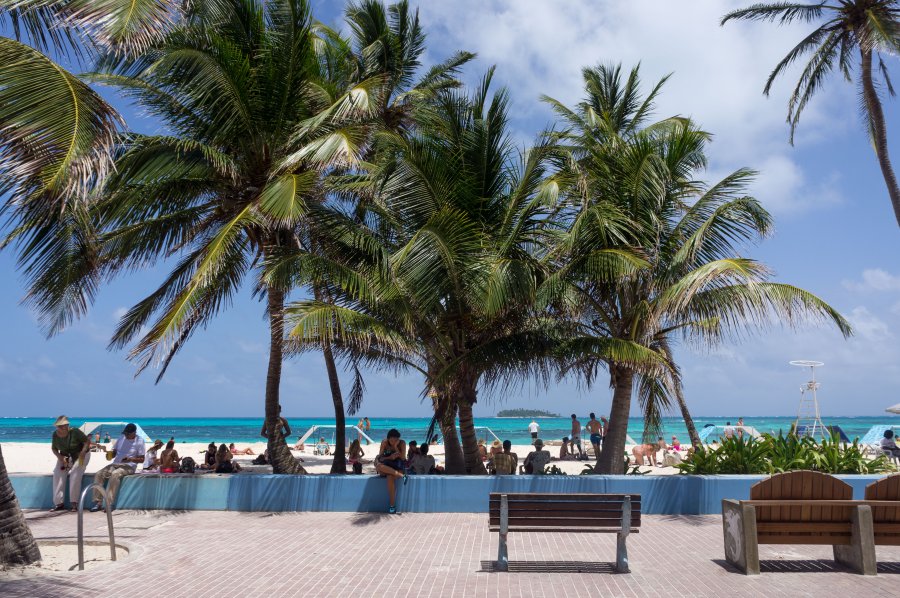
316,555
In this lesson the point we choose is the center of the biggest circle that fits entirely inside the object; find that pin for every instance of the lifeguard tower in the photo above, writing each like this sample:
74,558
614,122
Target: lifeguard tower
809,422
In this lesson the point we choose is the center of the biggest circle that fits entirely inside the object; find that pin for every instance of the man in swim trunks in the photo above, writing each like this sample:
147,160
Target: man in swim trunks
576,437
596,430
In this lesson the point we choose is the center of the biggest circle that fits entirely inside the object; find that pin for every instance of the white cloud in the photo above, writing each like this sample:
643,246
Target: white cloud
119,313
868,326
874,279
718,73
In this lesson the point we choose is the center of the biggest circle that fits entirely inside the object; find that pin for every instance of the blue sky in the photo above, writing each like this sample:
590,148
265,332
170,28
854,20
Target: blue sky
835,233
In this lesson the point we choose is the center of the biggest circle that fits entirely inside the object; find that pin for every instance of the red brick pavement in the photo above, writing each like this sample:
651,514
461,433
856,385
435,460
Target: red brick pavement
316,555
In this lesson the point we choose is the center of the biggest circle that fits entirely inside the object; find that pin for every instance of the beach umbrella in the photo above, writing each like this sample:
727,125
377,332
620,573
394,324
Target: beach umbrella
894,409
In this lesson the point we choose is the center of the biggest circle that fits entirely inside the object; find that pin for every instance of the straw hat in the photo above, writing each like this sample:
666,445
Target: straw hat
62,420
496,444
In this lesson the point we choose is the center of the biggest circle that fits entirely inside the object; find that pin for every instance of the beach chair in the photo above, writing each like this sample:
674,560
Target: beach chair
799,507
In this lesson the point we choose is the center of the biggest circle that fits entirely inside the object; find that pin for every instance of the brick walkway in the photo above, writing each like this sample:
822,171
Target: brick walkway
316,555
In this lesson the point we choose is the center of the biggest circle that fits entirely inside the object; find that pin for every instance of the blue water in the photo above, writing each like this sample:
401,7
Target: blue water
38,429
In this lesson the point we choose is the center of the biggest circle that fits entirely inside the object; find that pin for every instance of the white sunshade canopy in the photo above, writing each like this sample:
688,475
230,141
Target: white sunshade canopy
89,427
894,409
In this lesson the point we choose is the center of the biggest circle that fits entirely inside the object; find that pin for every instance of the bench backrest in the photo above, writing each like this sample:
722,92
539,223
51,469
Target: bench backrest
570,511
814,525
886,520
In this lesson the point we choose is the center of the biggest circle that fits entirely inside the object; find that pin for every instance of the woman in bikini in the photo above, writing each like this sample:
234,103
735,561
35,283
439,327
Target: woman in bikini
169,460
389,463
355,455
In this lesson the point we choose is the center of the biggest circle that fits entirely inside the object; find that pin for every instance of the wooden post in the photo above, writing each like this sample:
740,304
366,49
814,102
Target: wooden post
502,556
622,536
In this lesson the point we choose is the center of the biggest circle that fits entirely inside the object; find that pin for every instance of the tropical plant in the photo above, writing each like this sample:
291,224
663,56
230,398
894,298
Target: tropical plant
679,272
56,142
447,289
235,182
865,28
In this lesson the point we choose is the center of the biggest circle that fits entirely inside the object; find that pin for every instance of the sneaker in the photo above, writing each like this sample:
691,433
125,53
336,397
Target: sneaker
392,510
59,507
96,507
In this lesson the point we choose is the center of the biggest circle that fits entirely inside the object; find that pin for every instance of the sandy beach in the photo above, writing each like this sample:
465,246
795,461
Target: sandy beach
33,457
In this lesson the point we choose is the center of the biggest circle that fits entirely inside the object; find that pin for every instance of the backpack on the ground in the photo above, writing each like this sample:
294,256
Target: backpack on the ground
188,465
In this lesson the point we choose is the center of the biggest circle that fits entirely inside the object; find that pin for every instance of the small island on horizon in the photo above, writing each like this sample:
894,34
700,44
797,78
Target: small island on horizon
525,413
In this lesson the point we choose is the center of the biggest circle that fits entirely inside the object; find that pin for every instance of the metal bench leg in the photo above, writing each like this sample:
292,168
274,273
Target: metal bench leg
622,537
502,563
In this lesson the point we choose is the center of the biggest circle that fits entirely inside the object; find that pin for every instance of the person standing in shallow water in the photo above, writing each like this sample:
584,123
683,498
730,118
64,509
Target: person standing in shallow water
389,464
533,428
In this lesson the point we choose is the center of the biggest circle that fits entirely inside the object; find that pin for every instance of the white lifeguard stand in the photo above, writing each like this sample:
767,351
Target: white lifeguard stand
809,422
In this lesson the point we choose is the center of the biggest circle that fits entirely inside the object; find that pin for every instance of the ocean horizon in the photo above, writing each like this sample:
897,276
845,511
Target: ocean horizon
515,429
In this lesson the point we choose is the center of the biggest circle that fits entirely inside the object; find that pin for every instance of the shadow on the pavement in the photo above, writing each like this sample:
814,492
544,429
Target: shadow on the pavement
791,566
370,518
44,585
550,567
888,567
694,520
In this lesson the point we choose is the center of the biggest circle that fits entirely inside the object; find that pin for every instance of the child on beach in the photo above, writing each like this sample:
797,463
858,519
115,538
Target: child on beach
389,464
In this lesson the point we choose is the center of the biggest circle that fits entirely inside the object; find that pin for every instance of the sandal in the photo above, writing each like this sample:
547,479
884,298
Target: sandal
59,507
392,510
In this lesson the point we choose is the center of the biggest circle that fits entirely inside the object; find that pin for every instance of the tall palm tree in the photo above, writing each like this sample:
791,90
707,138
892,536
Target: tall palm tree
865,28
373,83
682,273
56,142
229,186
445,271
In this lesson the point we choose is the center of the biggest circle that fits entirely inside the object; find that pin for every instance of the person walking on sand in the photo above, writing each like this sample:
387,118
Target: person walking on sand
368,427
534,428
72,450
389,464
128,452
595,428
576,438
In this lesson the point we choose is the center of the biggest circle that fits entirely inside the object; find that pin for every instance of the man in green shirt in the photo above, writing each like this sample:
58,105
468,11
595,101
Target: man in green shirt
72,449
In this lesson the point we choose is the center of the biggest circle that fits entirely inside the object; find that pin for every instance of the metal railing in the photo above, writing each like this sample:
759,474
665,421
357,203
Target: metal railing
109,524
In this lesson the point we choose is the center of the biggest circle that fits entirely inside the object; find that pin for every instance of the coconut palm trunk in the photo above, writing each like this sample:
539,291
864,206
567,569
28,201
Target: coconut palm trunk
339,464
612,455
879,131
454,462
686,415
473,463
279,453
17,545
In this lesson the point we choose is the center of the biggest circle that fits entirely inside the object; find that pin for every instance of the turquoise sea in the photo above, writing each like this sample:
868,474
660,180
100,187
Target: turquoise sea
38,429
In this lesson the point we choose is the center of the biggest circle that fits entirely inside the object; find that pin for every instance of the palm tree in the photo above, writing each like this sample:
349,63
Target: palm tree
381,60
680,272
864,27
56,142
444,268
229,187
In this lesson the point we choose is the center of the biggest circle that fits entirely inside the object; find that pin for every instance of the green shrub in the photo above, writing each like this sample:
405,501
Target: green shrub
777,454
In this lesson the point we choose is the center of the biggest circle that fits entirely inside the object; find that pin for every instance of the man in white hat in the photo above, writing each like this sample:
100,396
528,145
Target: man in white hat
72,450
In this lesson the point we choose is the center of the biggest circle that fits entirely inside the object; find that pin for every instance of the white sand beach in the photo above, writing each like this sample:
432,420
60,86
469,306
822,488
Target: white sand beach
32,457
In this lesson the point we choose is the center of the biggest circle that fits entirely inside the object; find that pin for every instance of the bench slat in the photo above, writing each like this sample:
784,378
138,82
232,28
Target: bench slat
801,527
567,509
562,530
569,504
564,521
564,497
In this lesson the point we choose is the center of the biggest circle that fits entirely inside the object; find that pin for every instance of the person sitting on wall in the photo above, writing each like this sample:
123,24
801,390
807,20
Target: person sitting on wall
422,463
536,460
505,462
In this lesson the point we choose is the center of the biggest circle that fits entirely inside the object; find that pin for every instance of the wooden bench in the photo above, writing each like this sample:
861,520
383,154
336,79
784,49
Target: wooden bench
884,498
566,513
799,507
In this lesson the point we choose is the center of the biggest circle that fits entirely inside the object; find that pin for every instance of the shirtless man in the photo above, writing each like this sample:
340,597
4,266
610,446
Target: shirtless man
576,437
596,430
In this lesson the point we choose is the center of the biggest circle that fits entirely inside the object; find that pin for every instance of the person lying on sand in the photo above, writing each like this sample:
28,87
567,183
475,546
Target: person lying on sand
237,451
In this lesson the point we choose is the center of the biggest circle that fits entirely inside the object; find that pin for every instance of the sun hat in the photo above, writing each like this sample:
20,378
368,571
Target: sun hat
496,444
62,420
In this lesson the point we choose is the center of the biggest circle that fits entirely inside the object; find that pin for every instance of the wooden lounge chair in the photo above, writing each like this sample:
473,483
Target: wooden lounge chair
799,507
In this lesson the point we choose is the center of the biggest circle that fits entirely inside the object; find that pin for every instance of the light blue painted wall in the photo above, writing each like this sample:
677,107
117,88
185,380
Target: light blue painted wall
665,495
